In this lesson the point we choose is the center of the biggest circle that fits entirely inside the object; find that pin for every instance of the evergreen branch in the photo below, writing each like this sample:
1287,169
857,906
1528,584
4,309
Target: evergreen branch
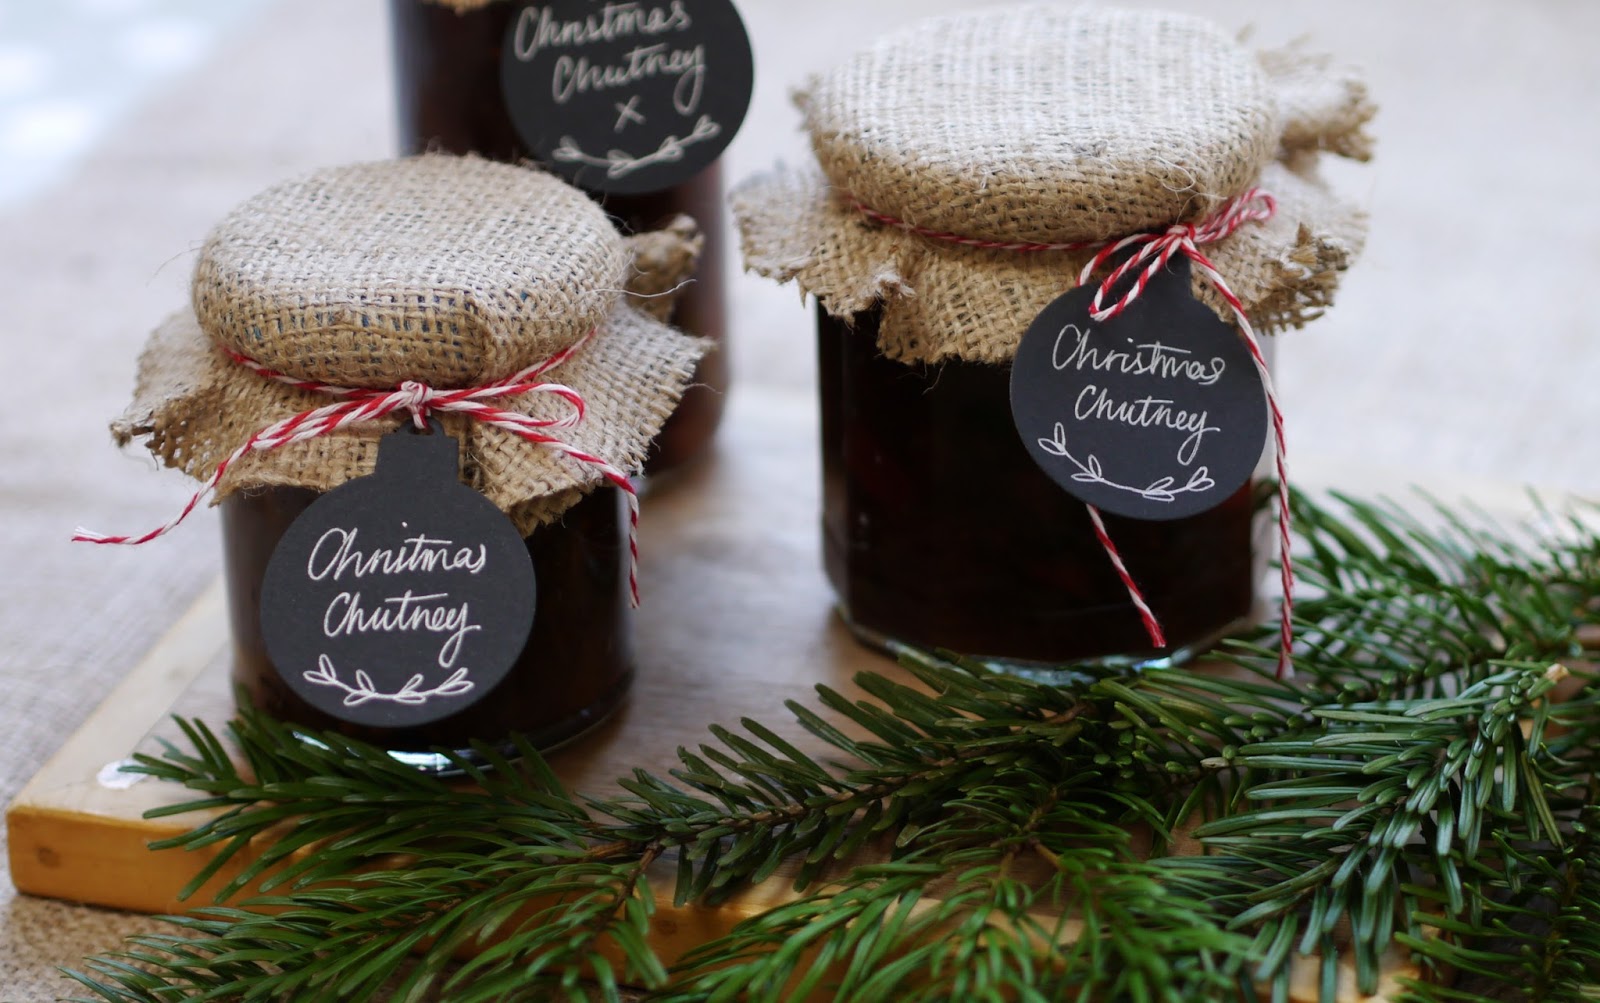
1427,781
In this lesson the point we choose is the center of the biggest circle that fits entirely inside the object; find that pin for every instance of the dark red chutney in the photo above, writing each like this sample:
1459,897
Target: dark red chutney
941,532
447,70
573,672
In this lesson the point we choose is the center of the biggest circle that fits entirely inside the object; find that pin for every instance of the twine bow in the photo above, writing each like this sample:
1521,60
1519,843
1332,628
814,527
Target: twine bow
1155,251
419,400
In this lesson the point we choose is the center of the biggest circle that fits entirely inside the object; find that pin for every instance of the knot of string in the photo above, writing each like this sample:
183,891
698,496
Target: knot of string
355,405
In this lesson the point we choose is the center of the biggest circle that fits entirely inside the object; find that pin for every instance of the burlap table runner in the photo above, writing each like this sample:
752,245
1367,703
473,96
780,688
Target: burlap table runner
454,272
1049,124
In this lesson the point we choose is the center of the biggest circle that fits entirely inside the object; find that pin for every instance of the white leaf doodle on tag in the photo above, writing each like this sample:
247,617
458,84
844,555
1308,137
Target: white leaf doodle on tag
619,163
365,689
1090,471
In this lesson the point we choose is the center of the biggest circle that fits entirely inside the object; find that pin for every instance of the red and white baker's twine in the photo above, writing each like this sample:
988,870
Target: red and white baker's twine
1155,251
361,405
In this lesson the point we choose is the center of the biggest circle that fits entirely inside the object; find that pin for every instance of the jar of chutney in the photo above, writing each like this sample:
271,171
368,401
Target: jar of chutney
419,389
1041,415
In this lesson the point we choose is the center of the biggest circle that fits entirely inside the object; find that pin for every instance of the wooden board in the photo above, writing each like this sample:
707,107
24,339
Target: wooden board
737,618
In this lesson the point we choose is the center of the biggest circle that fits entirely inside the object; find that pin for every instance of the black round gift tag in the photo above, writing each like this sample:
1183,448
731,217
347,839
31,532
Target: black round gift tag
400,598
627,97
1157,413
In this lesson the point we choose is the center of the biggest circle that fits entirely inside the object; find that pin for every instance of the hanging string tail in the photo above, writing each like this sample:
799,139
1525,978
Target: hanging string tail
356,406
1154,251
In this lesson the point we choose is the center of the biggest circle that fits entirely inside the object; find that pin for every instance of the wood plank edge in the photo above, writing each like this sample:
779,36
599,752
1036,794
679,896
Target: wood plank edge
106,861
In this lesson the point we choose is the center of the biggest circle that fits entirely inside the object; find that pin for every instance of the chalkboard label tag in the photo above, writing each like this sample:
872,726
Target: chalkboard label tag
1158,413
627,97
400,598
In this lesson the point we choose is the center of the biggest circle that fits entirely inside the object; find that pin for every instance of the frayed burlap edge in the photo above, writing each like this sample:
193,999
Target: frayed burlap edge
663,262
1323,106
193,407
942,301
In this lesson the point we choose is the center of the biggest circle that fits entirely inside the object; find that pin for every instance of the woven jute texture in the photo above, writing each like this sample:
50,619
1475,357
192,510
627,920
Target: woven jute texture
1045,123
1053,125
449,271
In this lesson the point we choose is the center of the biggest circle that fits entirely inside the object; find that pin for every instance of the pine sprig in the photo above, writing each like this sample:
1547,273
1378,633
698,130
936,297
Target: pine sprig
1427,781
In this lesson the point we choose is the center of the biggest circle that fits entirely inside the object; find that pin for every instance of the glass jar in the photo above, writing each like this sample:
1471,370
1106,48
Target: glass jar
941,532
940,226
447,70
572,673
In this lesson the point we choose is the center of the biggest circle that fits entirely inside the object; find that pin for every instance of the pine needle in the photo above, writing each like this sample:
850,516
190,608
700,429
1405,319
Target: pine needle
1427,783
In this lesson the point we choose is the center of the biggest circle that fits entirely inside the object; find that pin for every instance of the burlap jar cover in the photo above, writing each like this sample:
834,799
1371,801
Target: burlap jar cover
1045,124
451,272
